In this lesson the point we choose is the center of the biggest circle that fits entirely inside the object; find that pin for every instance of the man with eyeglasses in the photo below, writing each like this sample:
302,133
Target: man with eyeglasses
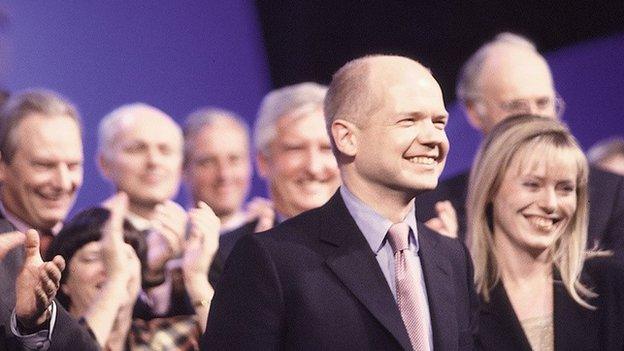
505,77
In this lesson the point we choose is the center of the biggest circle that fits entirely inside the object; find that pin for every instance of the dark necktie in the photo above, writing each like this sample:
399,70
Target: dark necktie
45,239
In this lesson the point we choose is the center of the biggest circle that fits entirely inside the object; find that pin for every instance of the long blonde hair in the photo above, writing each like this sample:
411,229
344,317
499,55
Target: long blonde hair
512,138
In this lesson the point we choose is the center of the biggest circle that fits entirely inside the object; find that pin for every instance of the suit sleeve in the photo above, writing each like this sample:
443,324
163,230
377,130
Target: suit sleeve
68,334
615,229
247,309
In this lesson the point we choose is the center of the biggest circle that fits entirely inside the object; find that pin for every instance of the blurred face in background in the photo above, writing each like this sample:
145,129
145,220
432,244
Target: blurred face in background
512,81
41,182
86,275
145,159
299,165
218,169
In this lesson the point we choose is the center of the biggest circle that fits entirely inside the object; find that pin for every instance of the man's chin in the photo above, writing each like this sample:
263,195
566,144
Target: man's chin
149,200
422,187
48,222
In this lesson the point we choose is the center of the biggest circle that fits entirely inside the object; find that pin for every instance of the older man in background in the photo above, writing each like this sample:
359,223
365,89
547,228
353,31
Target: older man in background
41,162
217,165
294,157
140,152
506,77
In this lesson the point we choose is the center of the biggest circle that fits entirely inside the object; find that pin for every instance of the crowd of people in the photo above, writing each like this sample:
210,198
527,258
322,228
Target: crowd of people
359,246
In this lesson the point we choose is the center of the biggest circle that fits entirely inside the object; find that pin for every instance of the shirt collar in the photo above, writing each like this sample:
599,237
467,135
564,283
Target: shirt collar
373,225
236,221
139,223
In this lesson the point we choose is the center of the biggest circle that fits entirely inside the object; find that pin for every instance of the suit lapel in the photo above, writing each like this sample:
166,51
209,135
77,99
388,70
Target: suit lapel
438,277
353,262
499,317
576,317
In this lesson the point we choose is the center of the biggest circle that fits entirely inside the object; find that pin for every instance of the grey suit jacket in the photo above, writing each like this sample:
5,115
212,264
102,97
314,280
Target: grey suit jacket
67,333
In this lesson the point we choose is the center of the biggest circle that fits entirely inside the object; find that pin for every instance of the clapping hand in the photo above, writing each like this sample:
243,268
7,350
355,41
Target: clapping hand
446,221
37,284
262,210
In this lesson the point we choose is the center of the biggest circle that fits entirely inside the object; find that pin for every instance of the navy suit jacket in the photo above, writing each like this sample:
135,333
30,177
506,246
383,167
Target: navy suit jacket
606,206
575,327
67,333
313,283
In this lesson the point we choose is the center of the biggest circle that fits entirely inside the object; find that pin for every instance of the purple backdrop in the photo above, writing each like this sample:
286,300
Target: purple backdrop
182,55
101,54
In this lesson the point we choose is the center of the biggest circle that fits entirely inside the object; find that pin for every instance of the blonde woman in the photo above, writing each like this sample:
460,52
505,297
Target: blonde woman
527,218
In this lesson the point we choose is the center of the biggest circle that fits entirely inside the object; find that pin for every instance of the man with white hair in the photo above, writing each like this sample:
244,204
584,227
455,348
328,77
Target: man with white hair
293,155
508,77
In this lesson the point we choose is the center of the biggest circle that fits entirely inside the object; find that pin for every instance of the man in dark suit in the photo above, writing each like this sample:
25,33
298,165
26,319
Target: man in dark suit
506,77
330,278
41,172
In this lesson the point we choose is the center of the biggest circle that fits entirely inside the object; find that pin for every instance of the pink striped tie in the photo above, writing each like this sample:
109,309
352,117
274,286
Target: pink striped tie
408,288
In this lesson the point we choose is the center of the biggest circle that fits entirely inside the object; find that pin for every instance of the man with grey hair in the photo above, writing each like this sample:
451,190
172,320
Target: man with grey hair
40,171
293,155
217,165
508,77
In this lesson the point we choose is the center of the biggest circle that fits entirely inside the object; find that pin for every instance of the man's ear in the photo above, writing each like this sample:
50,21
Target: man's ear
344,137
104,165
3,168
474,111
262,164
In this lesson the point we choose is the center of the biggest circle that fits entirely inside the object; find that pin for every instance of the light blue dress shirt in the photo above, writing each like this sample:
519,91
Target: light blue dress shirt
375,227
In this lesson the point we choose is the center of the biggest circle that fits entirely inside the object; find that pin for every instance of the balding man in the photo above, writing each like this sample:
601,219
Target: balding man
507,77
140,153
358,273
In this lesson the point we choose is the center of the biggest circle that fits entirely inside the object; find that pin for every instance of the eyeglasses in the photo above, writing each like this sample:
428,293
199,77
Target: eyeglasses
541,105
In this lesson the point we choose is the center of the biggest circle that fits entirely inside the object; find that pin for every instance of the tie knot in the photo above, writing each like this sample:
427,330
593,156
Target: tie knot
398,236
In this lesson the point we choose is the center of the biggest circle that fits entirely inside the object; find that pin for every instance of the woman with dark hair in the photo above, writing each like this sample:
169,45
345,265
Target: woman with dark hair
103,278
527,217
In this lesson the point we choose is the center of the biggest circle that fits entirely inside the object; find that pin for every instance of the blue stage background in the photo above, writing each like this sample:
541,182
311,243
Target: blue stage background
182,55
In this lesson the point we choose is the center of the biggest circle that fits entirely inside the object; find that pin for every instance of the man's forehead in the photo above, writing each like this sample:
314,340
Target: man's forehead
219,140
308,114
222,128
43,135
147,127
516,71
39,122
415,94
